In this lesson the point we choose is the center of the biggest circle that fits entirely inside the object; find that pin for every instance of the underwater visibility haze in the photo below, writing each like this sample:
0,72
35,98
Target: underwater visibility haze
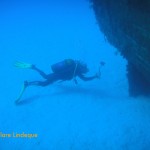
93,115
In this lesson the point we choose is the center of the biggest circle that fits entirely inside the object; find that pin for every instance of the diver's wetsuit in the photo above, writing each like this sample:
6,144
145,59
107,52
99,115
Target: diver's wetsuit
68,74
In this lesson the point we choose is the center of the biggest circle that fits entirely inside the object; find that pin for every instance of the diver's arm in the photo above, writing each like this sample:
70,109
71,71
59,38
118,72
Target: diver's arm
39,71
81,76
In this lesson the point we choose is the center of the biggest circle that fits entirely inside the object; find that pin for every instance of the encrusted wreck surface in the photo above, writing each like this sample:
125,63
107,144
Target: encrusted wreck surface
126,25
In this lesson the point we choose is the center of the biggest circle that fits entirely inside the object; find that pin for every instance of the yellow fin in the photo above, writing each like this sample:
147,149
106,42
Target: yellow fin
19,64
21,93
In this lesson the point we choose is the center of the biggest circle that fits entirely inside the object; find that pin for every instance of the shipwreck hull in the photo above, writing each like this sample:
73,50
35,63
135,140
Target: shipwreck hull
126,25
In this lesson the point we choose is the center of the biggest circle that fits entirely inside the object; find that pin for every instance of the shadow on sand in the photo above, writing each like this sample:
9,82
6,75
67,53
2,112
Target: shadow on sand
69,90
82,91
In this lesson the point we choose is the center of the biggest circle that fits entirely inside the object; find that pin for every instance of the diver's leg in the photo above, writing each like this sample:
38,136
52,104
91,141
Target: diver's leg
50,79
26,84
44,75
37,83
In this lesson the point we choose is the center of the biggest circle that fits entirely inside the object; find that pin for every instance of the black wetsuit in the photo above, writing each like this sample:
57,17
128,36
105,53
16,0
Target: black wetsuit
72,72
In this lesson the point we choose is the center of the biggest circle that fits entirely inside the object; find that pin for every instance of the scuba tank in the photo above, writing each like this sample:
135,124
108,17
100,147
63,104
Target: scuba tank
63,66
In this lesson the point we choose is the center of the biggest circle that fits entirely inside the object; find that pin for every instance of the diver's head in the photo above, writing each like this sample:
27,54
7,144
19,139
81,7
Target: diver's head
82,67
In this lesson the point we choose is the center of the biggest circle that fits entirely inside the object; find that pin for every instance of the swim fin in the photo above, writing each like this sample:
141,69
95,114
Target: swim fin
23,65
21,93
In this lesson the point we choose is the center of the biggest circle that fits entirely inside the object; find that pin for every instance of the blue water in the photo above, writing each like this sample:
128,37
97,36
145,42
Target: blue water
95,115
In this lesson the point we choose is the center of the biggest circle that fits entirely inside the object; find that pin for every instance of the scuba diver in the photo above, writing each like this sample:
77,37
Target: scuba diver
67,69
